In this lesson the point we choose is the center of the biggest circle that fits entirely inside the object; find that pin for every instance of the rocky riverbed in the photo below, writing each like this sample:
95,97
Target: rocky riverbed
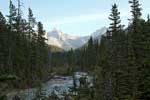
58,85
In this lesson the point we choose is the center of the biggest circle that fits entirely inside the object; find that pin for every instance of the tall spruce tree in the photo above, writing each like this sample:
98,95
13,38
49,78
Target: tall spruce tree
117,54
115,26
31,22
3,26
112,34
14,48
107,67
19,17
41,33
71,61
148,18
12,15
3,42
42,52
136,14
134,47
89,55
11,36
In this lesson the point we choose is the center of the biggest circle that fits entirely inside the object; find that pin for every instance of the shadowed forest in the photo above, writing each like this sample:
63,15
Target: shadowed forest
119,61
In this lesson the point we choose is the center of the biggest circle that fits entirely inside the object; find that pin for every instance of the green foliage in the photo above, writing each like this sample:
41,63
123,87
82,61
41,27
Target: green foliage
7,77
119,62
23,52
115,18
122,56
3,98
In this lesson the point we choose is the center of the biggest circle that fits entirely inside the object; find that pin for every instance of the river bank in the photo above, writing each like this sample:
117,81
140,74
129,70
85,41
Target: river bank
57,85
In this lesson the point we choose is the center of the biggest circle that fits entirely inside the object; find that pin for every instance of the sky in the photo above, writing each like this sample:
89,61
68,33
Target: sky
76,17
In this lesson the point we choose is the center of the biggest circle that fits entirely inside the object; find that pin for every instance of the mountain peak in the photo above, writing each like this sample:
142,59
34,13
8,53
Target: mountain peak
57,38
99,32
56,30
55,33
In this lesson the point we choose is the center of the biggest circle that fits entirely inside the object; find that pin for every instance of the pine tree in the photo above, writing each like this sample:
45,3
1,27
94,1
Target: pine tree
24,26
115,26
31,43
11,36
71,61
148,18
42,53
112,34
3,42
31,22
90,54
3,26
21,53
30,33
41,33
12,15
18,19
136,14
135,48
118,40
144,77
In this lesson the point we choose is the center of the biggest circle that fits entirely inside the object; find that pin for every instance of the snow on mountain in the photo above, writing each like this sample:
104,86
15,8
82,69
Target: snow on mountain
58,38
97,34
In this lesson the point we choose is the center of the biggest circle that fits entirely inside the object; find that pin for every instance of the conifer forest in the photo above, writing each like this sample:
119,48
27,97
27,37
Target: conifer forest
117,63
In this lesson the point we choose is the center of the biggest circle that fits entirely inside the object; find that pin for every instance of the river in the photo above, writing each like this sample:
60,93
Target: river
58,85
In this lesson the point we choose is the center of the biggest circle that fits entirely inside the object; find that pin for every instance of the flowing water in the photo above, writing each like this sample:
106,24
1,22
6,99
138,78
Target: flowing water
58,85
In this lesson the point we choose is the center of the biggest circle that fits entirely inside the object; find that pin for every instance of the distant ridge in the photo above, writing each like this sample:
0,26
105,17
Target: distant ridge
65,41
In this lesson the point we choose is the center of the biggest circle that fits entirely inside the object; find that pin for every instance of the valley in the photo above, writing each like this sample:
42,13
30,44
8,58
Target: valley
41,63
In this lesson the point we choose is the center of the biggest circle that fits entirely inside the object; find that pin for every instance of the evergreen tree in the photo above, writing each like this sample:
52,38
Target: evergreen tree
134,47
31,43
11,36
117,54
42,50
115,26
119,62
12,15
18,53
71,61
148,18
3,26
136,14
100,72
144,80
18,24
31,22
112,36
41,33
90,54
3,42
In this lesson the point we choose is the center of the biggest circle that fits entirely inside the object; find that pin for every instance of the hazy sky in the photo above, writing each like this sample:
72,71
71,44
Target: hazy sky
79,17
